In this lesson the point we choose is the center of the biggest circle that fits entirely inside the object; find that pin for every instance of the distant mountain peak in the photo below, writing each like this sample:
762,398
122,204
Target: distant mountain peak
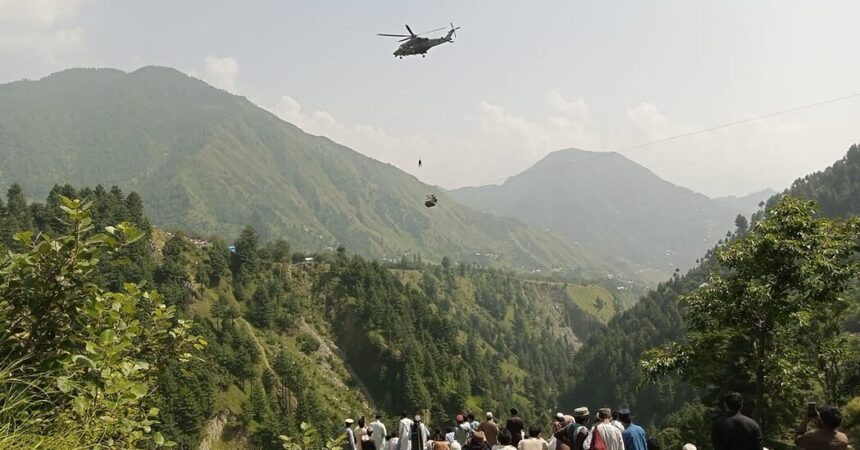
611,204
208,161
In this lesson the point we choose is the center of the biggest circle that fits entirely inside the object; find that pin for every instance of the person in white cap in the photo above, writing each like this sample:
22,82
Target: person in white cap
688,446
490,429
349,434
577,430
420,434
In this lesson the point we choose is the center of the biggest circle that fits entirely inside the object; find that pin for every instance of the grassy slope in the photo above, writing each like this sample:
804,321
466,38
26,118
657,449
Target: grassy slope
209,162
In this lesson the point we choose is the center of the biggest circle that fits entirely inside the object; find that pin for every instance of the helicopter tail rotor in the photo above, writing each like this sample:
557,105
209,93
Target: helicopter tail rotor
453,32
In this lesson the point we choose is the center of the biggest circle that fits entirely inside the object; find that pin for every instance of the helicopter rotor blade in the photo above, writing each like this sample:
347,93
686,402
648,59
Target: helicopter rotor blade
410,30
432,31
393,35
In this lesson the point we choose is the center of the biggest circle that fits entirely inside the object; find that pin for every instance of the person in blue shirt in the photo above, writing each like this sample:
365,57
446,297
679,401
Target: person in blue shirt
634,435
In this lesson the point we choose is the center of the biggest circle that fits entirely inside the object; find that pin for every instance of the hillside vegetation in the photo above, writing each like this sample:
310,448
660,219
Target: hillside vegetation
607,369
294,338
206,162
615,207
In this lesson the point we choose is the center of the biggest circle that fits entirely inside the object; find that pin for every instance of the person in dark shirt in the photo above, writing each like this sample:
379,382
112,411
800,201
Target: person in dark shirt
733,430
515,425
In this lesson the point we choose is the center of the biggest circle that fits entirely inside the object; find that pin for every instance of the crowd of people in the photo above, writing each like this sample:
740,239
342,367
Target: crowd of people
606,430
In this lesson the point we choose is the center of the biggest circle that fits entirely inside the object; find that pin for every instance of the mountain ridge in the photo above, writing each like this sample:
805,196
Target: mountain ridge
611,205
210,162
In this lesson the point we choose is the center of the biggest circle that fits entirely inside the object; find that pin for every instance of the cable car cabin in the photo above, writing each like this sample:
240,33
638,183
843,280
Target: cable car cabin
430,201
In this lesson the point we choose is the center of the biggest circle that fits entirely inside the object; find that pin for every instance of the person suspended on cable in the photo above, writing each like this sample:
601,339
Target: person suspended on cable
430,201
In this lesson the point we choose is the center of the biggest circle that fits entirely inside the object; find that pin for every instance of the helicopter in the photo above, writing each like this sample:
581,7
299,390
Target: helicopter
414,44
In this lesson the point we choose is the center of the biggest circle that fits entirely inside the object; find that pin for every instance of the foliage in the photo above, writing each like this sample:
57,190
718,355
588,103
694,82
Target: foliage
311,439
94,354
210,162
760,326
607,367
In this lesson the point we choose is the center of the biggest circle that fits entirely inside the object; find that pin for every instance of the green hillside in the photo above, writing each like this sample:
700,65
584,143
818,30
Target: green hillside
607,368
295,337
206,162
613,206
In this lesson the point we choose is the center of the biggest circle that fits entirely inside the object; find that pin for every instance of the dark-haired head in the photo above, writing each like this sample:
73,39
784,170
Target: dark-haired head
514,411
378,416
534,431
438,436
361,422
404,414
505,437
471,416
830,416
733,402
604,413
653,443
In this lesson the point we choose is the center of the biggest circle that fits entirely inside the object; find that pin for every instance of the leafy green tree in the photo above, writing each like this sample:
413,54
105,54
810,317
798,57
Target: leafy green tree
245,259
759,325
97,353
219,261
18,217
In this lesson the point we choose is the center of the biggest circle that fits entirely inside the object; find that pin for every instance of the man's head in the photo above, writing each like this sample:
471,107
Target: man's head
624,416
581,415
348,422
489,415
471,417
514,412
459,418
378,416
604,414
733,402
534,431
361,422
404,415
505,437
830,416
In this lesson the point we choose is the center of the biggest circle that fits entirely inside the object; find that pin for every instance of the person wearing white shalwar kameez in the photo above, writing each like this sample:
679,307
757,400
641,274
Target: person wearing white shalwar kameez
610,434
405,432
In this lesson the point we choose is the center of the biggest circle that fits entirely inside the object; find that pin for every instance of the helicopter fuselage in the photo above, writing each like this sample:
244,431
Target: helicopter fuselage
418,46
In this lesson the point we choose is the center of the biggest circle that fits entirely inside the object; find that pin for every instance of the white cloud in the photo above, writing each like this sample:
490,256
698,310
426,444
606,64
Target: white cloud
733,160
222,72
40,13
38,28
503,143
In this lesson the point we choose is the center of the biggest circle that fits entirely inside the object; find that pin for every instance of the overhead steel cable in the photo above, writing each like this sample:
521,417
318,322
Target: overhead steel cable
685,135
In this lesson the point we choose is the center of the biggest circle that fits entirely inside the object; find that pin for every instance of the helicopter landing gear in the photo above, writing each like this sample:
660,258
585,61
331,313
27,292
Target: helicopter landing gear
423,56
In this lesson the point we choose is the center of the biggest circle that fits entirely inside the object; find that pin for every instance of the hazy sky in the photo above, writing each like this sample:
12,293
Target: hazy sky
522,79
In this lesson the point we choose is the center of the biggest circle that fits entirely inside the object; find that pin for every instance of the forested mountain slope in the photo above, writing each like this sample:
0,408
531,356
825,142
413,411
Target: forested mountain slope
206,161
607,368
610,204
294,337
